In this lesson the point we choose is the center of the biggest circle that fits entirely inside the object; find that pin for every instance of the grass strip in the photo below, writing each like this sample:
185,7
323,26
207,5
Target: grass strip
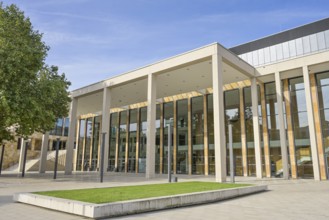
123,193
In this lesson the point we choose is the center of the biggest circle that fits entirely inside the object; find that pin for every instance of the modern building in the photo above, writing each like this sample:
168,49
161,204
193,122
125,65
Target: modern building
274,91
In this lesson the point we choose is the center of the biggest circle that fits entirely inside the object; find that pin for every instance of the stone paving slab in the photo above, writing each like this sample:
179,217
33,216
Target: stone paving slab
285,199
134,206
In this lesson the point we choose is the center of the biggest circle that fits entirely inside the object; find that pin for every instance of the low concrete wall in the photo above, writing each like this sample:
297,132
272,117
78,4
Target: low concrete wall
133,206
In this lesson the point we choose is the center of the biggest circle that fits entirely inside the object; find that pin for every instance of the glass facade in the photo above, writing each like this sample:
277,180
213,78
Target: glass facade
95,143
81,140
122,141
142,140
128,133
182,137
300,127
323,91
132,140
113,137
211,141
157,138
273,129
197,135
232,115
168,115
87,148
61,127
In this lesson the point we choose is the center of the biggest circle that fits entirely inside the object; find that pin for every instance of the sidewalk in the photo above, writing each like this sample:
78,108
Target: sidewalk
293,199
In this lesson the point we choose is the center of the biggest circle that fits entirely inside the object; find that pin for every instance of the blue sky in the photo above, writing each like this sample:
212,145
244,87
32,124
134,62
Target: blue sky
92,40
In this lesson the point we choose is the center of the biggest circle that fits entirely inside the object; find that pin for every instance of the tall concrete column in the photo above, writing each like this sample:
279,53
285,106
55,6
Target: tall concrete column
106,123
21,156
219,122
255,120
43,155
311,126
283,138
150,133
71,137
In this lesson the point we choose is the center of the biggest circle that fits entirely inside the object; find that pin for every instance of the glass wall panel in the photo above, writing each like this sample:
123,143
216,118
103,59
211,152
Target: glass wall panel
58,130
132,140
182,136
142,140
300,127
86,158
122,141
95,143
273,129
157,138
232,115
114,122
251,162
82,129
211,141
66,127
323,91
168,113
197,135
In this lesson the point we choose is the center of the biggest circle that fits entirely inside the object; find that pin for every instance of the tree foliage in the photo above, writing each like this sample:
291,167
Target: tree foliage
32,94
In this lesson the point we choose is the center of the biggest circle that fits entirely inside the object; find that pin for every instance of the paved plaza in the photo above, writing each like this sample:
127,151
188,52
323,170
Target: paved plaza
293,199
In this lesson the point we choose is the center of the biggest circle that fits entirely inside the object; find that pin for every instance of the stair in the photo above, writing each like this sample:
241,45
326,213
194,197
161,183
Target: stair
33,165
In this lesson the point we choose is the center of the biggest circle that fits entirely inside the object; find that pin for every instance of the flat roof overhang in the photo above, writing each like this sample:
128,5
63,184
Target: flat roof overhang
187,72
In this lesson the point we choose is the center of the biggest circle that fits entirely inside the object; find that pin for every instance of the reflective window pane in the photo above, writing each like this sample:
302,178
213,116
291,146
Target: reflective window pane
232,115
197,135
113,137
168,114
182,136
132,140
86,160
82,130
157,138
122,141
95,143
210,109
142,140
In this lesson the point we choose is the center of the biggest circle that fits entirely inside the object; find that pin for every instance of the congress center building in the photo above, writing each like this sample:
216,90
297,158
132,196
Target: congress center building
273,91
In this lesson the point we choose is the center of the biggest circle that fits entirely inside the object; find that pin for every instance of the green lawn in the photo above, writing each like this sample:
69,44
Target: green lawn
114,194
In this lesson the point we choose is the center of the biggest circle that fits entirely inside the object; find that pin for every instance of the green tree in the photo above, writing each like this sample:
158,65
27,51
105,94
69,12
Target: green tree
32,94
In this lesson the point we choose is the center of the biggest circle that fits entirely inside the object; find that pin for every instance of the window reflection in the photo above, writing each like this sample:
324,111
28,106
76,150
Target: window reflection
211,143
157,138
122,141
273,129
132,140
323,91
197,135
113,137
182,137
82,127
168,113
232,108
300,127
142,140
